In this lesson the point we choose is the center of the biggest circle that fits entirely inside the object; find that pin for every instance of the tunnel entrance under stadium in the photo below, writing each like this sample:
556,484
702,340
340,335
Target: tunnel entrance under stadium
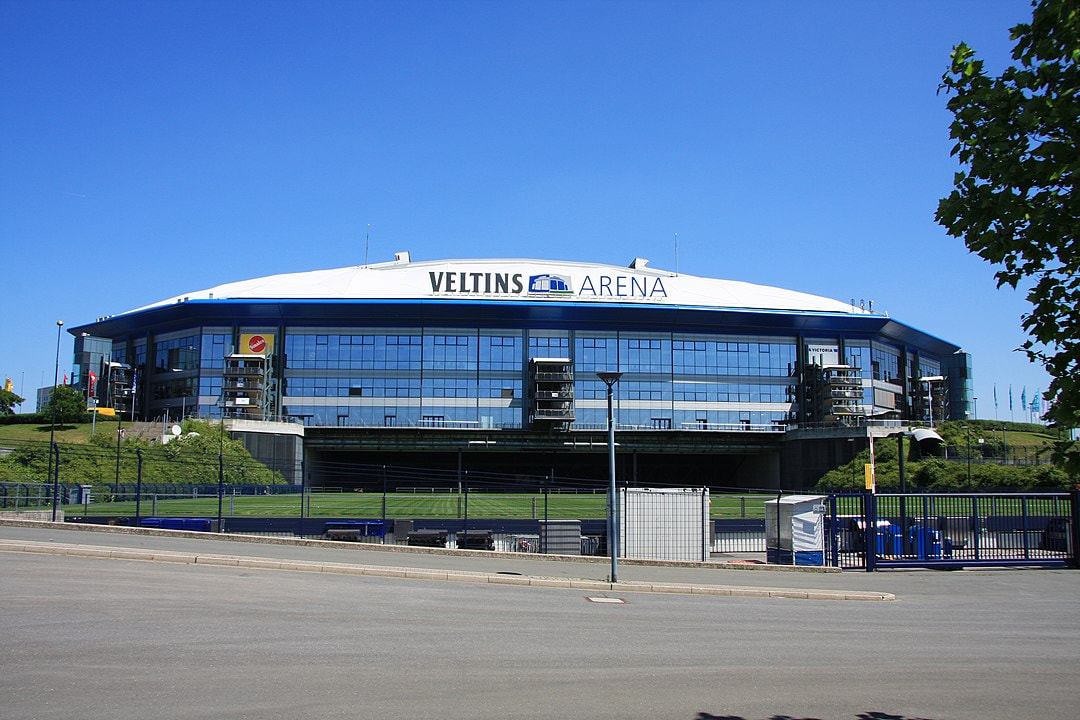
340,459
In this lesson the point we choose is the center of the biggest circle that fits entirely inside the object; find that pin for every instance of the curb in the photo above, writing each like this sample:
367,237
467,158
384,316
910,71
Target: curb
306,542
422,574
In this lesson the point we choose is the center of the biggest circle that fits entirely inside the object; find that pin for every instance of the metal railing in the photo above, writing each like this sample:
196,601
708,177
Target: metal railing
952,530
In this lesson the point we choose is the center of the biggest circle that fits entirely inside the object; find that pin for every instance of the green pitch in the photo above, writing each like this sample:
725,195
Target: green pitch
493,506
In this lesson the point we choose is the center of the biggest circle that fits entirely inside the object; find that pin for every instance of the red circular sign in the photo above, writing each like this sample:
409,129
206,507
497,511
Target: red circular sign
257,344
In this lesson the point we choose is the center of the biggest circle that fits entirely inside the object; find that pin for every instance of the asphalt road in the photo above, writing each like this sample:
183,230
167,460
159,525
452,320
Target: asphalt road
91,638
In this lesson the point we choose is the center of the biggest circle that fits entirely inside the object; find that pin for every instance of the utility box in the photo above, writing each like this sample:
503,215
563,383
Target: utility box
664,523
560,537
795,530
79,495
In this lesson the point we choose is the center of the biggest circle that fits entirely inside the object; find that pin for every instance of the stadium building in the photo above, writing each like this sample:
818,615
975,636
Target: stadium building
491,364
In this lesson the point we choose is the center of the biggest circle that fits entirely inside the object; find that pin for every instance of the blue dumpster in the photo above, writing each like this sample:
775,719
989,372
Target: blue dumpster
928,544
890,539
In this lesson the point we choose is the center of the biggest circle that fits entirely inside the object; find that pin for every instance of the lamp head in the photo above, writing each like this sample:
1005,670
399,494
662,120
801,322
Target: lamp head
609,378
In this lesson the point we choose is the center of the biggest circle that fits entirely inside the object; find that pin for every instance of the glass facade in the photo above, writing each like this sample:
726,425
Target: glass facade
479,377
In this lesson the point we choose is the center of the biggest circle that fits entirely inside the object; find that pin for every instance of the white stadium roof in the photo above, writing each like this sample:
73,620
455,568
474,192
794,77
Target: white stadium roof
502,280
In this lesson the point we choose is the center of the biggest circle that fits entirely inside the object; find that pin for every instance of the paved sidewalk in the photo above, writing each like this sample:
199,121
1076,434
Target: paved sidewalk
398,561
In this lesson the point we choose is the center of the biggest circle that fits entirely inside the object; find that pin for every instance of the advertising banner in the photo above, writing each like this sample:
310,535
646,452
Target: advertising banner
257,344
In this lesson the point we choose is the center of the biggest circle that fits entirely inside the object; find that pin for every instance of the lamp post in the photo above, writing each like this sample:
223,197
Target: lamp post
609,379
52,428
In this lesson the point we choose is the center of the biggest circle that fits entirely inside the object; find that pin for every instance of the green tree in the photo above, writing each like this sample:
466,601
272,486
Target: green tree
8,401
69,404
1014,202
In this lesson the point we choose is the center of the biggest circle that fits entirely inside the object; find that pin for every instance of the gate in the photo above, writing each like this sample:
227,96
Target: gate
867,531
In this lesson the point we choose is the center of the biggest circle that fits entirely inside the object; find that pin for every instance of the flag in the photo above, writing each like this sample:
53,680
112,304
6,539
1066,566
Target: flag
995,396
1010,398
65,378
93,382
8,384
1023,399
1035,402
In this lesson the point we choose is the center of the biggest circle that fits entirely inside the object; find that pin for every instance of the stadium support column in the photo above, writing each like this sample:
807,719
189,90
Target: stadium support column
609,379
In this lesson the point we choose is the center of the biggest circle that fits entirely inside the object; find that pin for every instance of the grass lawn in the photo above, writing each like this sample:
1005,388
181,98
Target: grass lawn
501,506
75,434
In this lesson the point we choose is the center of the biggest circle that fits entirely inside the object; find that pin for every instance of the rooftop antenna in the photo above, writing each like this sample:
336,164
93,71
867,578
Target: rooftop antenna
676,253
367,238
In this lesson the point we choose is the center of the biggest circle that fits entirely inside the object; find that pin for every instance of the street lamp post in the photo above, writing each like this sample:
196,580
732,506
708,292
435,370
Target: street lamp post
52,428
609,379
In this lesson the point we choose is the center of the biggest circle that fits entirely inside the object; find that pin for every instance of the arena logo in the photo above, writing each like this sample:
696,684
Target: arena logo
550,285
598,286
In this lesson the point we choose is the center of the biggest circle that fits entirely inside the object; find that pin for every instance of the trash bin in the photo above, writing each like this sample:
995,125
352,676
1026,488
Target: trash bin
928,544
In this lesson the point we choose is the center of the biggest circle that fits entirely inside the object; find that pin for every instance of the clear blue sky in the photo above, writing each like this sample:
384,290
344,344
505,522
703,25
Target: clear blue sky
153,148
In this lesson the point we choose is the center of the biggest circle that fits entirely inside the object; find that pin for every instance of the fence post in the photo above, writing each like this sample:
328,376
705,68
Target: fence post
977,534
833,545
220,488
1075,535
138,484
544,534
303,487
465,522
384,498
55,450
1024,526
705,526
779,495
870,515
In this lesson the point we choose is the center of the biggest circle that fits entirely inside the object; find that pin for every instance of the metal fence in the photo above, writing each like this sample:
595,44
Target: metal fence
873,532
26,497
996,455
471,509
469,502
